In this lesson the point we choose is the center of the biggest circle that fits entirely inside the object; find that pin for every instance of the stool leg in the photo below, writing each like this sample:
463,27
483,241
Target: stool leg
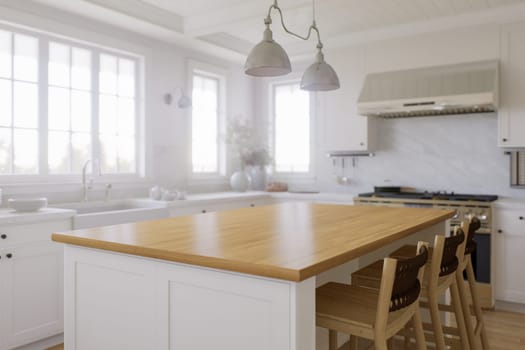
418,329
466,308
458,311
332,339
436,320
477,308
353,342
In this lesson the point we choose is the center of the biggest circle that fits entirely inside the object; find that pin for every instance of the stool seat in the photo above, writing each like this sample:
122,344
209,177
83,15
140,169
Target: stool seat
351,306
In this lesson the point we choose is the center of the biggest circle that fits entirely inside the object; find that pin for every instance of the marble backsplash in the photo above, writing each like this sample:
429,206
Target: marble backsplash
447,153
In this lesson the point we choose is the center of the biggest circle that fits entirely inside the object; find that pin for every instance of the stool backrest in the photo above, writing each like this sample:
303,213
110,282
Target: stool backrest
473,225
400,284
407,286
449,259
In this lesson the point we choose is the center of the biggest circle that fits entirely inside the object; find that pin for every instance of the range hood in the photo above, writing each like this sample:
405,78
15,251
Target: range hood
444,90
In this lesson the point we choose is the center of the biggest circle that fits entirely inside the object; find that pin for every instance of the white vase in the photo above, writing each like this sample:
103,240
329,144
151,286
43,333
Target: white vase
259,178
240,181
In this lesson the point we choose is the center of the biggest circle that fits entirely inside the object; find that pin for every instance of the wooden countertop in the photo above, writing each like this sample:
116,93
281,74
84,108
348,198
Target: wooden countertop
290,241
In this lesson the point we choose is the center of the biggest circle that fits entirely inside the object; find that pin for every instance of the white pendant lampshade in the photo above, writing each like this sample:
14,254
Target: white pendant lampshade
320,76
267,59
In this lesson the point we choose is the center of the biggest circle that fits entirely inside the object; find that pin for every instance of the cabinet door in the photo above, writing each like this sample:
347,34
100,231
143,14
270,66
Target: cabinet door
511,114
344,130
509,242
33,292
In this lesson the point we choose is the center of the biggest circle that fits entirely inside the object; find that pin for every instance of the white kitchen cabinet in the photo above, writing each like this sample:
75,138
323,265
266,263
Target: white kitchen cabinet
508,243
31,288
511,114
344,130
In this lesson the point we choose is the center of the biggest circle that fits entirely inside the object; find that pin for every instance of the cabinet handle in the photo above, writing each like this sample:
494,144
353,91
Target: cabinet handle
252,205
3,236
521,218
500,231
504,140
9,255
204,211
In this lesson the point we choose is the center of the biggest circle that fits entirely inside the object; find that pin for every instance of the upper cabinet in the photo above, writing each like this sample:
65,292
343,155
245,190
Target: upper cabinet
511,115
343,129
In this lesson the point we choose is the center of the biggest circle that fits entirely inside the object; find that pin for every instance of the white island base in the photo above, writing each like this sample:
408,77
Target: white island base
117,301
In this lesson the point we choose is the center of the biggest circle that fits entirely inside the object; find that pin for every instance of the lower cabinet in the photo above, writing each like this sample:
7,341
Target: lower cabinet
31,289
508,243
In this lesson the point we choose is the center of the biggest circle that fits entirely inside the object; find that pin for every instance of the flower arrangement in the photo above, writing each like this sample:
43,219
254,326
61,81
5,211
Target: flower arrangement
241,135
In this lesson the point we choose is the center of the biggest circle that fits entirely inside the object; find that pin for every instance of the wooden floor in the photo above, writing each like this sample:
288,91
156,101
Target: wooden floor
506,330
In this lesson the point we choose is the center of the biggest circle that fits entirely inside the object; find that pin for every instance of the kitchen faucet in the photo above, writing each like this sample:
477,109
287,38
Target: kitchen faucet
85,186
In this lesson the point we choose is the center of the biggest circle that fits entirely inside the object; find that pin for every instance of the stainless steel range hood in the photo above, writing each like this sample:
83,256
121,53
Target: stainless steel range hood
444,90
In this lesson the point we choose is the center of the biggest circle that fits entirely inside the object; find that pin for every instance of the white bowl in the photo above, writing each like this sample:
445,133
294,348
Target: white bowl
27,205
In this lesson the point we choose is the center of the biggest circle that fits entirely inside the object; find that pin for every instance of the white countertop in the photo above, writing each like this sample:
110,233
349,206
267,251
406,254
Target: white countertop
10,217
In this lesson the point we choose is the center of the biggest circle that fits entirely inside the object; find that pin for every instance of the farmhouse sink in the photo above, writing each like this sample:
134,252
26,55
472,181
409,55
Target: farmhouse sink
93,214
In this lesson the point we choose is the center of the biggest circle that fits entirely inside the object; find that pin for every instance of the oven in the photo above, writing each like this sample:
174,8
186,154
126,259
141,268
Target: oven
465,206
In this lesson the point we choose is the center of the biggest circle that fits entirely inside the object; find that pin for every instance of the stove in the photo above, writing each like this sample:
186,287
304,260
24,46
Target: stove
466,206
439,195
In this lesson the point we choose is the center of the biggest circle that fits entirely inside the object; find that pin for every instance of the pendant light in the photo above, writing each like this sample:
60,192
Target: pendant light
268,58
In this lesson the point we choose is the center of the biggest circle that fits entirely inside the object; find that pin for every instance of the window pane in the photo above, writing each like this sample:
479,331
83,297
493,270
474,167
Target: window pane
59,65
108,114
292,122
58,109
108,74
205,124
126,78
5,151
25,145
5,54
5,102
58,152
81,69
126,116
126,154
108,152
26,58
80,111
81,148
25,105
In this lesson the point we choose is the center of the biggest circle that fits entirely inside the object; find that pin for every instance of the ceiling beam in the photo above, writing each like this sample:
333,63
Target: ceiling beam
144,12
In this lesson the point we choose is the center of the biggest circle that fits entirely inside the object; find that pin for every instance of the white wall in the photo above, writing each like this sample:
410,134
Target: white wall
167,137
453,153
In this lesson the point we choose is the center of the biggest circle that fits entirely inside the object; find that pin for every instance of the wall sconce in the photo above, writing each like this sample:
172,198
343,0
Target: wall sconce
183,102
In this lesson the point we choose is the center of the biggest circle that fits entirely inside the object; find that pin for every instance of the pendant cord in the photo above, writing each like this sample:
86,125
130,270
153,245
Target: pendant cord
313,27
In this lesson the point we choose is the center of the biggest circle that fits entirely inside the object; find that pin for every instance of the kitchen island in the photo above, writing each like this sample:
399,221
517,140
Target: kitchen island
239,279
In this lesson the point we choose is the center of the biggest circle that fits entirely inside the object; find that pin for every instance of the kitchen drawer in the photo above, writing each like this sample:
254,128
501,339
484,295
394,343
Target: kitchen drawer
21,234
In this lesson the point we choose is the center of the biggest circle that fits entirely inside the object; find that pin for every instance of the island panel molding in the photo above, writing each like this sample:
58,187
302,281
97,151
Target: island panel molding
288,241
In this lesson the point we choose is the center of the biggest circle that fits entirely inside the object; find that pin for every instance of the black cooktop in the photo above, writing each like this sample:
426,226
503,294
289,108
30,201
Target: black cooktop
448,196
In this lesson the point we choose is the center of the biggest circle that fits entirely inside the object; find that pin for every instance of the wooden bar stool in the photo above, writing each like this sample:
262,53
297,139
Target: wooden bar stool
375,314
478,333
440,276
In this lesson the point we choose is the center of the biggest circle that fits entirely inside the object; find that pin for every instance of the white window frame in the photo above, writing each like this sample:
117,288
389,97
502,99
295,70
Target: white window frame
43,176
310,175
220,74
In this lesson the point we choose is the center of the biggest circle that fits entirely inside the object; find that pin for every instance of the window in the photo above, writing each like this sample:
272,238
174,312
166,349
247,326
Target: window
206,123
291,129
18,104
69,108
117,114
89,106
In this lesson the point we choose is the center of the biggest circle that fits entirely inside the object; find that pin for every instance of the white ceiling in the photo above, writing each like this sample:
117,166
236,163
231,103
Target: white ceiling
236,25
